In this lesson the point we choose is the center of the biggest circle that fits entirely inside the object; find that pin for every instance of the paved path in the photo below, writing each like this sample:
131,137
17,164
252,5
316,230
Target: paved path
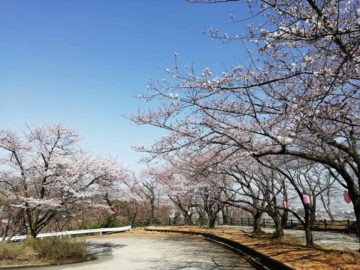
158,252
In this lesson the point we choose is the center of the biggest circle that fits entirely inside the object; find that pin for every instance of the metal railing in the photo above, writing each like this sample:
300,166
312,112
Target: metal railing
70,233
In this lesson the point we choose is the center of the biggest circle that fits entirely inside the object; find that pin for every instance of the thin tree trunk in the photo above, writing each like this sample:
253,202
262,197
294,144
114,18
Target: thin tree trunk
307,228
224,212
152,205
312,210
284,218
327,207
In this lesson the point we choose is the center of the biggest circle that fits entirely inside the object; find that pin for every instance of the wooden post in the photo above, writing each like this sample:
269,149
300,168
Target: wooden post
291,223
348,225
325,224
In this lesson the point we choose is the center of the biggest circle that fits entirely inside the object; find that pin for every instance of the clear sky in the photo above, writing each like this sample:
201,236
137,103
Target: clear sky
81,62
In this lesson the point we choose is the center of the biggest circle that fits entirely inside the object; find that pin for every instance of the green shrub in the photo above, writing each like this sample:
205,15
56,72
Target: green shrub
10,251
60,250
91,225
109,222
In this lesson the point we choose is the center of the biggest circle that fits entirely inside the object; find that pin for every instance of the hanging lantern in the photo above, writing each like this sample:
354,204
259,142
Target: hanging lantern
306,199
347,197
285,204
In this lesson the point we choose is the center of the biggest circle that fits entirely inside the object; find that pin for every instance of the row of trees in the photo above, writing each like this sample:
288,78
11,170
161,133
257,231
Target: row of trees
283,123
48,183
199,188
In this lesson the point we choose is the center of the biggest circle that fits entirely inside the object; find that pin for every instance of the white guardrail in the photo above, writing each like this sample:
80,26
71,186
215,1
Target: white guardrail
77,232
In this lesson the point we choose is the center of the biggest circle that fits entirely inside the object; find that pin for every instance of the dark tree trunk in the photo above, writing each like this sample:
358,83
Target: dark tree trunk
212,221
257,222
313,212
357,216
225,215
307,228
279,229
152,205
354,194
284,218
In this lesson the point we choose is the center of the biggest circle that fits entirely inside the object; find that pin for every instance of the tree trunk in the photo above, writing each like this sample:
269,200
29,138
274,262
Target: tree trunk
307,228
312,209
357,216
133,219
152,205
330,214
225,214
327,206
212,220
285,215
257,222
279,229
355,199
201,218
284,218
33,233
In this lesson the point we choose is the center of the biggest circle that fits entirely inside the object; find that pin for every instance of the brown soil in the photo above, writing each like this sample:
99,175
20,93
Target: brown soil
285,250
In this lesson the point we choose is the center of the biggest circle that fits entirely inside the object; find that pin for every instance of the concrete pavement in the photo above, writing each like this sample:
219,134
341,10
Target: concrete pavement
157,251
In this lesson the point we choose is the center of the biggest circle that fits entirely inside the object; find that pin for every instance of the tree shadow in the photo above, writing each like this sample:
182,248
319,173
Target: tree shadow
102,249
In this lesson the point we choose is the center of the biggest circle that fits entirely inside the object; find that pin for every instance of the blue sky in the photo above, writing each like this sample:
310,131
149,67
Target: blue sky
81,62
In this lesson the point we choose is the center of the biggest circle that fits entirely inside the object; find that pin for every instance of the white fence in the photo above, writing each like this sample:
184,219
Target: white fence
78,232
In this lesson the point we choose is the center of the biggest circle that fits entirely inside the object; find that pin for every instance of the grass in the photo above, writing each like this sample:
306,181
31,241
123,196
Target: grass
44,251
10,251
60,251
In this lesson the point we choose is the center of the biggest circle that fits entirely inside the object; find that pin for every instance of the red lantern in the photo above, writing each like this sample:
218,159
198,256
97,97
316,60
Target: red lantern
306,199
285,204
347,197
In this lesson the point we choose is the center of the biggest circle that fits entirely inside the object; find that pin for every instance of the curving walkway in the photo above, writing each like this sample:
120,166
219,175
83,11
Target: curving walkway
158,252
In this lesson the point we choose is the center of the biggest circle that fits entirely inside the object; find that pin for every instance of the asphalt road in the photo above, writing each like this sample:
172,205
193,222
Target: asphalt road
158,252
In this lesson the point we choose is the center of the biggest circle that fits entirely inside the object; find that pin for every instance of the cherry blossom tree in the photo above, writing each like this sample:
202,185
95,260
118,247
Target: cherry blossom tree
192,186
261,191
303,178
297,95
179,190
146,190
44,174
